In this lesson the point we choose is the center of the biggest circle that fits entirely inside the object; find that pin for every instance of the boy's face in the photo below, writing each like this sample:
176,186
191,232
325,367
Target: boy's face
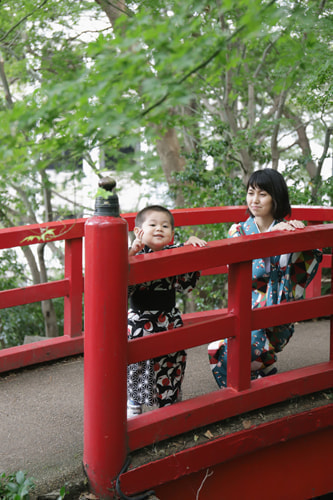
156,231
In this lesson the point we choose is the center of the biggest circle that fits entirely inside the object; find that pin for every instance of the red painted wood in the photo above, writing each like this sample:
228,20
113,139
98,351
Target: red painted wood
223,449
314,288
215,215
29,235
206,326
175,261
74,228
107,353
196,216
314,214
193,318
305,462
181,338
331,322
173,420
34,293
105,358
49,349
239,346
221,323
300,310
215,270
73,310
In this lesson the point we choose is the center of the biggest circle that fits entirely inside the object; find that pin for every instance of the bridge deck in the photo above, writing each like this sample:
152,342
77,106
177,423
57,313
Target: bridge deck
41,408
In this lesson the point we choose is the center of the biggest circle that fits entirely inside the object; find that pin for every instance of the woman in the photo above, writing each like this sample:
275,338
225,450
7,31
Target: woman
274,279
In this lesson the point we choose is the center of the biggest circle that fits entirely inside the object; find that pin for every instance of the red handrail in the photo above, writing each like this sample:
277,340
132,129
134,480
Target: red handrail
235,322
71,287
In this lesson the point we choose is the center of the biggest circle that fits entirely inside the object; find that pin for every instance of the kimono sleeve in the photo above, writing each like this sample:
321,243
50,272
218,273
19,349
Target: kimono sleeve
186,282
301,269
235,230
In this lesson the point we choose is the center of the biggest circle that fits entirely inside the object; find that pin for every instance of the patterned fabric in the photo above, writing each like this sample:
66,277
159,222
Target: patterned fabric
157,381
274,280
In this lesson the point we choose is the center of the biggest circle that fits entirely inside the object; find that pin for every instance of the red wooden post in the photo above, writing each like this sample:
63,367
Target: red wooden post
105,353
331,320
314,288
73,301
239,346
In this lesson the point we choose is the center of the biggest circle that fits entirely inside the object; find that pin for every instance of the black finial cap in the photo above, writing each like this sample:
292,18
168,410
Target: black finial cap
107,206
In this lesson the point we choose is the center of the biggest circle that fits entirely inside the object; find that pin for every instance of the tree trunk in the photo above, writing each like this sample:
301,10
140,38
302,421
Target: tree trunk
304,143
168,149
50,319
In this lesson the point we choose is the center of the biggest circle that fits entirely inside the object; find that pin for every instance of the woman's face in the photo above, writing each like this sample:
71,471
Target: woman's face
260,202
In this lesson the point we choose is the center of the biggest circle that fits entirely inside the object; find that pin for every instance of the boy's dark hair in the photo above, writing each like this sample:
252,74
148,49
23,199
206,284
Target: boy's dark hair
273,182
141,216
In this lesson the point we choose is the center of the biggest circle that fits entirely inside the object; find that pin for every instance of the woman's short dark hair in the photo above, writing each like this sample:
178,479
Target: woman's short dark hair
273,183
141,216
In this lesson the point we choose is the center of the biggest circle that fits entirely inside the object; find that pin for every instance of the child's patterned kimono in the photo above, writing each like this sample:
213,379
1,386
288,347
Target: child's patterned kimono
152,309
274,280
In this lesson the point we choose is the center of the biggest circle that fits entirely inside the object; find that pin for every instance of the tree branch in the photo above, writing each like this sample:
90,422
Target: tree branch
5,84
203,64
23,19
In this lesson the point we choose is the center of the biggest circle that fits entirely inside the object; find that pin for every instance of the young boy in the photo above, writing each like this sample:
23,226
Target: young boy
153,309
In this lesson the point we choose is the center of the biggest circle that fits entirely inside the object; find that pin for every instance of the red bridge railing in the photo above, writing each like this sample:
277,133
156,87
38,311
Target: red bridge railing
107,351
72,286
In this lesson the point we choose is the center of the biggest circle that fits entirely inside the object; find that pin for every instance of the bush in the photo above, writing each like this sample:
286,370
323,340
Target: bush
15,486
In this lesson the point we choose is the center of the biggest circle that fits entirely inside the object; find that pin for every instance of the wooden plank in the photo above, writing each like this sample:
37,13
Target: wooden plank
220,450
34,233
225,252
34,293
180,338
187,415
49,349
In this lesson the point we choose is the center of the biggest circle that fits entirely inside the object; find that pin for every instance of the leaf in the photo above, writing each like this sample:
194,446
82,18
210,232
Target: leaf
247,424
20,476
208,434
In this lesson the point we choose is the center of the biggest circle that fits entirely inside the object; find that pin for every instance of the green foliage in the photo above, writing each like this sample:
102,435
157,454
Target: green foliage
63,492
15,486
205,187
242,82
118,87
17,322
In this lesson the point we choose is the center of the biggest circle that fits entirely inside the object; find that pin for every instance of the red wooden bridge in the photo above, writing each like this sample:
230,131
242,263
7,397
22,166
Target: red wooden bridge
297,448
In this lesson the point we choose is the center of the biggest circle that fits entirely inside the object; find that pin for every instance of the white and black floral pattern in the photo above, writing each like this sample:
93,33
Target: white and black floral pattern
157,381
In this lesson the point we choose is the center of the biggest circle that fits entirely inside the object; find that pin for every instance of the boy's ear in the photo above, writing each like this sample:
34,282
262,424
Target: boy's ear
136,230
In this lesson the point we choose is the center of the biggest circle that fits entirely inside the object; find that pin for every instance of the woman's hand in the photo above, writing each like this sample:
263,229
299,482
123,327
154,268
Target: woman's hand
196,242
290,225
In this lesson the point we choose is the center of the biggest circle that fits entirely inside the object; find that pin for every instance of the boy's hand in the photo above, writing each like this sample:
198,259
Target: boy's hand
196,242
137,244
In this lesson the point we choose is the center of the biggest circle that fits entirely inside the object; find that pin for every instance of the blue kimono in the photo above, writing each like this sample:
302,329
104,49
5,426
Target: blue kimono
274,280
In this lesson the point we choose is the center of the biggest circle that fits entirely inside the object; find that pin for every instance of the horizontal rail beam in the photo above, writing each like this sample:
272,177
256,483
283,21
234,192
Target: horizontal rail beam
220,450
49,349
20,236
225,252
180,338
34,293
187,415
300,310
